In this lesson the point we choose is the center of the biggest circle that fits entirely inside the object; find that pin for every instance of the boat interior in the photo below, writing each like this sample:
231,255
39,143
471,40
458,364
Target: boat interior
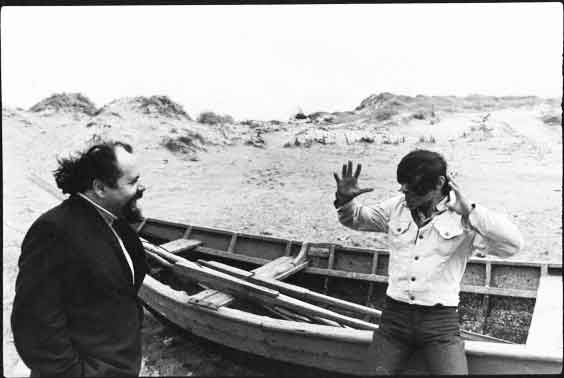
497,298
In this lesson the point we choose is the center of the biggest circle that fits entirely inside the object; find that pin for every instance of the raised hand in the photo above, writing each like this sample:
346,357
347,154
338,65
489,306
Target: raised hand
459,204
347,185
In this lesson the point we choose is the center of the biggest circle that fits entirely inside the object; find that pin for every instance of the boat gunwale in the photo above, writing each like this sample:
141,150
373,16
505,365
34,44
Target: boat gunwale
384,251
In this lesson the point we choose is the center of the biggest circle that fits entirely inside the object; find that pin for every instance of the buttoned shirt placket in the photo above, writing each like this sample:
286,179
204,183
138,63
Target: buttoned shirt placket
426,224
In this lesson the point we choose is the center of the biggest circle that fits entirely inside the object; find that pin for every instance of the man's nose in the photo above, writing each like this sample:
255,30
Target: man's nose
141,188
403,188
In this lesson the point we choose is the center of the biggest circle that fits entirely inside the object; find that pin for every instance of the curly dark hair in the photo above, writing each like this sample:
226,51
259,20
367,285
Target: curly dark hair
76,174
421,170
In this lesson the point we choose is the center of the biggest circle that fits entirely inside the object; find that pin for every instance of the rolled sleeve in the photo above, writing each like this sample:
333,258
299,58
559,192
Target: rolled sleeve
501,237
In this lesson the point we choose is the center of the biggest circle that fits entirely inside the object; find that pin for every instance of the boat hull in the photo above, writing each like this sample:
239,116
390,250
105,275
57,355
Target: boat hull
347,351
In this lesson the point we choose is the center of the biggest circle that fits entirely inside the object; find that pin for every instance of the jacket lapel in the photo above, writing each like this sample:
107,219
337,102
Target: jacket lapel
109,251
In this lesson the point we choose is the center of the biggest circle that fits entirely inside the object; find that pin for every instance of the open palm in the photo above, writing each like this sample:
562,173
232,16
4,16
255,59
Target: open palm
347,185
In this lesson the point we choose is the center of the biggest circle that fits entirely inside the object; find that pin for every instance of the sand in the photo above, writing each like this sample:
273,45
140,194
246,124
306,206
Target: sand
514,165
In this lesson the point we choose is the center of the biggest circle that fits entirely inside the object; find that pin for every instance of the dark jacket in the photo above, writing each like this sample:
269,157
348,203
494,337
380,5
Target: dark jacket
76,310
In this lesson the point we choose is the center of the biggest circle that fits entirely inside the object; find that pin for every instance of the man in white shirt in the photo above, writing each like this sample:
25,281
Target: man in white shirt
431,229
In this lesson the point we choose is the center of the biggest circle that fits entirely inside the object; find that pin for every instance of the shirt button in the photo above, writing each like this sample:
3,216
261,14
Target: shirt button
420,236
413,278
416,258
412,297
398,230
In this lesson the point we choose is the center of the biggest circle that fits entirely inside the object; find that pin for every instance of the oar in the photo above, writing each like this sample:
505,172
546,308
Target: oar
293,290
240,288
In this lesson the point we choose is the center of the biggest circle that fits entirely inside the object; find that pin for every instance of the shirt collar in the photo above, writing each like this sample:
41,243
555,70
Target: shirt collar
108,216
439,207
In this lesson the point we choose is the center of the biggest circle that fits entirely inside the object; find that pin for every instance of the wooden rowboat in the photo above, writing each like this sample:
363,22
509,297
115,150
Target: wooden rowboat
317,304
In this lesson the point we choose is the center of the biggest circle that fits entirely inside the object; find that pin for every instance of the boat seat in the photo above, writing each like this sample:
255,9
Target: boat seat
277,269
181,245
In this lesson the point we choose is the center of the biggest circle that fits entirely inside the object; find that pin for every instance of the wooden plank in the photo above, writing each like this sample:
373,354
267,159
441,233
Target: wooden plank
210,298
187,232
224,268
498,291
488,279
330,265
373,269
234,256
181,245
141,225
545,331
343,274
486,298
232,243
294,290
278,269
288,249
275,268
240,288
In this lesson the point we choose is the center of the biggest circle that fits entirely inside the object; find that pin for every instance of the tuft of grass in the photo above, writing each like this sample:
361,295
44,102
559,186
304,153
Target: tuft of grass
394,141
427,139
211,118
384,114
188,143
552,119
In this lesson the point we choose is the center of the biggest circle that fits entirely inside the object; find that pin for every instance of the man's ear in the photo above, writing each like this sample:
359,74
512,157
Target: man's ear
441,182
99,188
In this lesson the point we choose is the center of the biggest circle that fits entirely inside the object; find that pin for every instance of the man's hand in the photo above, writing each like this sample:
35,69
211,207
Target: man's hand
347,186
459,204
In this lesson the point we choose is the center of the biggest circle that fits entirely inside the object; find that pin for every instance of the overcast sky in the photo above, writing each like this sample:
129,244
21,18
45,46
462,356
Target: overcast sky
265,61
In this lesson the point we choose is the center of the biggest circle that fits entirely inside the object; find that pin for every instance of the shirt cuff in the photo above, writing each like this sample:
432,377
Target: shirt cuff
340,201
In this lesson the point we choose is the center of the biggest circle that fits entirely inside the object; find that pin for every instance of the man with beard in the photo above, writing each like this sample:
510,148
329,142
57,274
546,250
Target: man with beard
76,310
431,228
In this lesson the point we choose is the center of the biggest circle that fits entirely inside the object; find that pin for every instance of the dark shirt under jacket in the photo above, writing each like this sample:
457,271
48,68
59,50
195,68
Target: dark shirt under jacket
76,310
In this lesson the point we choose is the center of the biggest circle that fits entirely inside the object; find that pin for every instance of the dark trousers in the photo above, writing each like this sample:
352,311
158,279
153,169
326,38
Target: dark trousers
432,329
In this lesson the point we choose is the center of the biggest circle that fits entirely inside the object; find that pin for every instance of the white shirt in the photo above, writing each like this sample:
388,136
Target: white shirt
109,218
427,264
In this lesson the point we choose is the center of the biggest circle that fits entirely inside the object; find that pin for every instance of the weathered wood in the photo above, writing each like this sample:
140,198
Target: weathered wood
187,232
499,291
141,225
232,243
294,290
330,265
350,275
158,259
161,252
288,249
240,288
373,269
181,245
368,277
278,269
546,326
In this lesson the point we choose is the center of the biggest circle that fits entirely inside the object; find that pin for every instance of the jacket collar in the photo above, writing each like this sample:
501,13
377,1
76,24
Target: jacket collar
107,215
